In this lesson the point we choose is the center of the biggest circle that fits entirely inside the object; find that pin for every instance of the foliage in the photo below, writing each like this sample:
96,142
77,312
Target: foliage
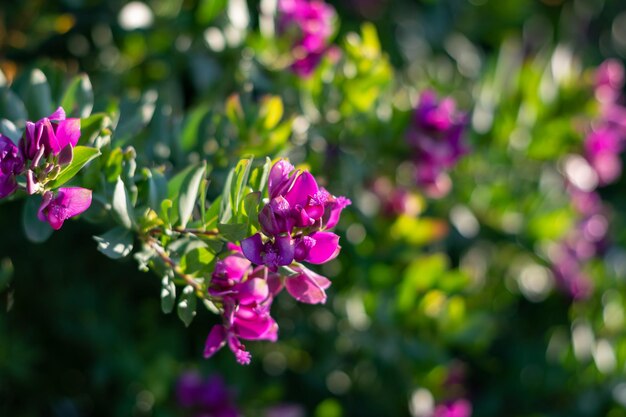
482,258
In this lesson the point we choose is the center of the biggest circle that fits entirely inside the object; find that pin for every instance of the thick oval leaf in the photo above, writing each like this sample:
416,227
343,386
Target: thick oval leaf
82,156
189,193
12,107
8,129
122,208
38,98
168,294
116,243
78,98
36,230
187,305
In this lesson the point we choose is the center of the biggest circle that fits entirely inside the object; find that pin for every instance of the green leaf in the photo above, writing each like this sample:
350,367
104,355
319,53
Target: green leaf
157,189
78,98
187,305
271,111
12,107
82,156
209,10
189,193
36,230
8,129
134,116
168,294
37,97
166,207
122,208
91,127
191,128
116,243
212,214
233,232
240,180
197,260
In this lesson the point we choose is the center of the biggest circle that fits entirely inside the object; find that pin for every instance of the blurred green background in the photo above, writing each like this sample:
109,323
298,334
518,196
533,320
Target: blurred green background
418,299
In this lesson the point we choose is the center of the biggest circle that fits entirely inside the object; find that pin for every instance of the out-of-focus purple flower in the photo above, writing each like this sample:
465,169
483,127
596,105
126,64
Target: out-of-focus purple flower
609,80
309,25
436,136
285,410
11,164
208,396
52,134
602,148
68,202
458,408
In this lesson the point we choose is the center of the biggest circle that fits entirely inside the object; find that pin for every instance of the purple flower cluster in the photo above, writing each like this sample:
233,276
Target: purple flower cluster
205,397
45,147
585,241
294,225
309,26
295,222
607,136
436,137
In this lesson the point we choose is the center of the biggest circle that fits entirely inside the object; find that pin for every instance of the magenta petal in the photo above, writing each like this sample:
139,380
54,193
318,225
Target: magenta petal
278,180
326,247
45,202
255,328
303,187
252,247
334,211
307,287
215,340
254,290
234,266
58,115
74,199
48,138
68,132
239,350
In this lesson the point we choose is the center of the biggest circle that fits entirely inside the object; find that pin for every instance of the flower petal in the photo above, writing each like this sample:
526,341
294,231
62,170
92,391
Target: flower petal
215,340
303,187
326,247
67,133
278,181
307,287
252,247
58,115
74,199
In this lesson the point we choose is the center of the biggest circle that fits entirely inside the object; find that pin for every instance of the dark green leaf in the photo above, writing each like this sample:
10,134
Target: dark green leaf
78,98
189,193
209,10
233,232
168,294
116,243
8,129
187,305
37,97
36,230
122,208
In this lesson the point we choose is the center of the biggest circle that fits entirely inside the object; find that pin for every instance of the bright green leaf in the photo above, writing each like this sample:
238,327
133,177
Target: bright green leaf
116,243
82,156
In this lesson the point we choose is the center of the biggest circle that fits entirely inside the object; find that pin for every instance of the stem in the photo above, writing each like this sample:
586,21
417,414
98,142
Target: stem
154,244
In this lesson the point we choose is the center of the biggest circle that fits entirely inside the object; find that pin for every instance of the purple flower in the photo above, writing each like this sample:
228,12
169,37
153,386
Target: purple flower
11,164
458,408
49,135
436,136
246,299
273,253
609,80
208,396
309,25
602,148
295,221
68,202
